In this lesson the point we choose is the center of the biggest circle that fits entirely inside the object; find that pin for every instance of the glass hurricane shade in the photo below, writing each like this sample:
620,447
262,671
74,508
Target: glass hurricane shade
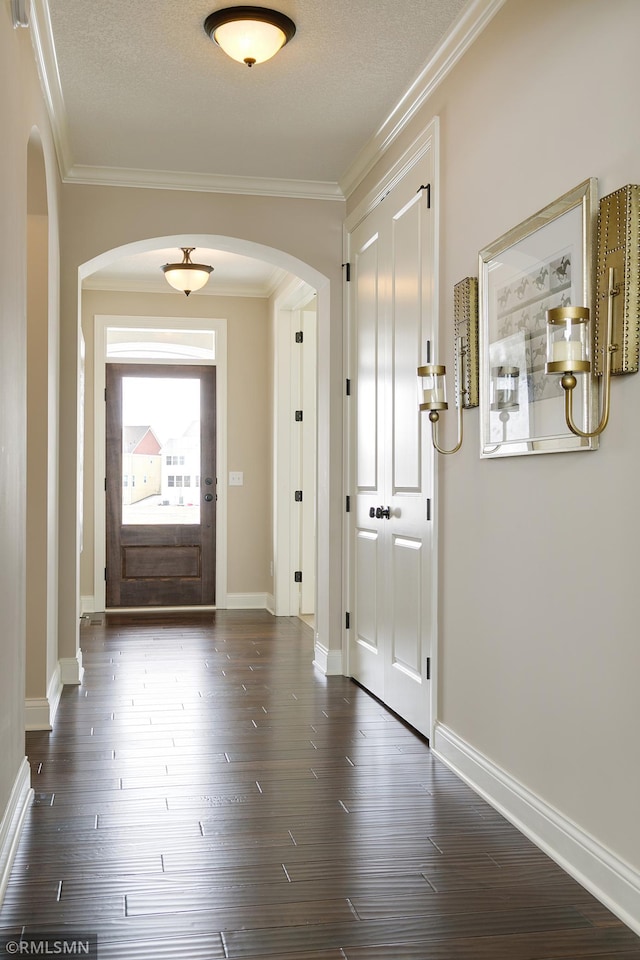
249,34
433,387
568,334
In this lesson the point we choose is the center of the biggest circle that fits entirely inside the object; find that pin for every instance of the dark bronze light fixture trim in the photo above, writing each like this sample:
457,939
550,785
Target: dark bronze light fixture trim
274,18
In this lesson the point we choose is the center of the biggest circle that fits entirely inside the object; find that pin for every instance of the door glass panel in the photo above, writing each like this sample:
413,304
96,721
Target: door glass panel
160,450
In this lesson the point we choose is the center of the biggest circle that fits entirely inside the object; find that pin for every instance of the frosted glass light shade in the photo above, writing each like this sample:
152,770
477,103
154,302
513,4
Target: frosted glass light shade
249,34
249,40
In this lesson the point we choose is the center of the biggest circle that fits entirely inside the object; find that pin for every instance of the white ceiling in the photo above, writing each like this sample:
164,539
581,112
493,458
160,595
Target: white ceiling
140,95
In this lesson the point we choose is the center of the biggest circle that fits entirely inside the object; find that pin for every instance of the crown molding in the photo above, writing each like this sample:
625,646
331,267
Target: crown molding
151,286
203,182
47,66
461,36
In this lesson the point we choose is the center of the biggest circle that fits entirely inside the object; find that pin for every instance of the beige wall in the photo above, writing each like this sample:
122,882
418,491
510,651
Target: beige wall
21,108
309,233
37,447
539,656
248,430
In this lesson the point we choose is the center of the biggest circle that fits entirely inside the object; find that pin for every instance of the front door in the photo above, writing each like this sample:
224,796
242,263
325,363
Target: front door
160,485
392,571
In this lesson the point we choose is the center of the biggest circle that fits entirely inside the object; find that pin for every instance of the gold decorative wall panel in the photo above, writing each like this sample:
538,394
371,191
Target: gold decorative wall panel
619,247
465,313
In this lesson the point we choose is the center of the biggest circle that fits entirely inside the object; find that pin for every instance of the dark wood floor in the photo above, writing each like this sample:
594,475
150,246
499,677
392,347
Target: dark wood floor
206,793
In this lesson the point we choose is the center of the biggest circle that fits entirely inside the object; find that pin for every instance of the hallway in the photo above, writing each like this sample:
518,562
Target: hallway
207,793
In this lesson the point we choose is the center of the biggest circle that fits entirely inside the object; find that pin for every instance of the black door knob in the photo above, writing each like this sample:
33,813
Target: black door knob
383,513
208,497
372,511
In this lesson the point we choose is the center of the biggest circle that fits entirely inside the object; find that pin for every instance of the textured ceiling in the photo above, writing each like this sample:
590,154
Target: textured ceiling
145,88
140,91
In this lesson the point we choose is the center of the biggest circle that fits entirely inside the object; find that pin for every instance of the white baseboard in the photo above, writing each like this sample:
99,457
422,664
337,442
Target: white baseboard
270,604
329,661
87,605
40,711
12,823
247,601
37,715
71,669
615,883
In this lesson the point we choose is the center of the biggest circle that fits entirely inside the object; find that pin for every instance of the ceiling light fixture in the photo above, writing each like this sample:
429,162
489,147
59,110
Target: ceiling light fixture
249,34
187,276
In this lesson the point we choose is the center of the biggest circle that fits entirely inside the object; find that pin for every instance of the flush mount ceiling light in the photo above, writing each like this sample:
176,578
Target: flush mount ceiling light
187,276
249,34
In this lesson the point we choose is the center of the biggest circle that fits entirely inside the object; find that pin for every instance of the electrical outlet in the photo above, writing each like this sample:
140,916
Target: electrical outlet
236,478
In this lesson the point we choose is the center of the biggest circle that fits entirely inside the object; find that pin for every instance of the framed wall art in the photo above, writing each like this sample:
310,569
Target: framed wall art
544,262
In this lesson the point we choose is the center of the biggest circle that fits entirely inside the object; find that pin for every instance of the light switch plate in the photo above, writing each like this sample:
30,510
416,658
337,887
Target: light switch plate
236,478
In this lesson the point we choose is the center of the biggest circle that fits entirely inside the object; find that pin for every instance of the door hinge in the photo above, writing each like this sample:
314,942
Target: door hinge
105,484
428,668
298,496
105,573
297,577
348,387
347,272
347,621
348,504
428,508
105,394
299,336
426,187
298,416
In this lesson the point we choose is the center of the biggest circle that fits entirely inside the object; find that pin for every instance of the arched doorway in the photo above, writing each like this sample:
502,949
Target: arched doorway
293,267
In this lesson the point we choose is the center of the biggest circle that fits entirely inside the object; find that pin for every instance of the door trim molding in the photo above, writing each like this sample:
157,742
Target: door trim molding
287,307
615,883
101,324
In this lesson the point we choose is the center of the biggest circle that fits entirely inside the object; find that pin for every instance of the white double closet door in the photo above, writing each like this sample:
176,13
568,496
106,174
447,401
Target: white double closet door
391,563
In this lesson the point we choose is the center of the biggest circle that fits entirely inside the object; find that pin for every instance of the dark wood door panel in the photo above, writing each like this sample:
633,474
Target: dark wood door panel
161,564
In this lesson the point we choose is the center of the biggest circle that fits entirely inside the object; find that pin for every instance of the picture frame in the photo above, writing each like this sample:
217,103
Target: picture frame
544,262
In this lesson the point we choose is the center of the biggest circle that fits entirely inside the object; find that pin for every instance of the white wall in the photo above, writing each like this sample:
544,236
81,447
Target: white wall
539,656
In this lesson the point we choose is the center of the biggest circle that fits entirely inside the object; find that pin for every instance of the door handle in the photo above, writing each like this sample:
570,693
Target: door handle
208,497
383,513
372,512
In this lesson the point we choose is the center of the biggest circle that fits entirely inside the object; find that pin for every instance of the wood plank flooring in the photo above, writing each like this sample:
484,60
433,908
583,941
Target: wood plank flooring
207,793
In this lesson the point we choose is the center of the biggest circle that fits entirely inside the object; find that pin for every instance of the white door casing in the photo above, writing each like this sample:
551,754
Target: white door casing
391,588
101,324
295,369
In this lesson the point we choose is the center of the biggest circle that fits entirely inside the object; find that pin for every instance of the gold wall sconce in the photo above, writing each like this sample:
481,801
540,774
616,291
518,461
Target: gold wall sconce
433,375
616,336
